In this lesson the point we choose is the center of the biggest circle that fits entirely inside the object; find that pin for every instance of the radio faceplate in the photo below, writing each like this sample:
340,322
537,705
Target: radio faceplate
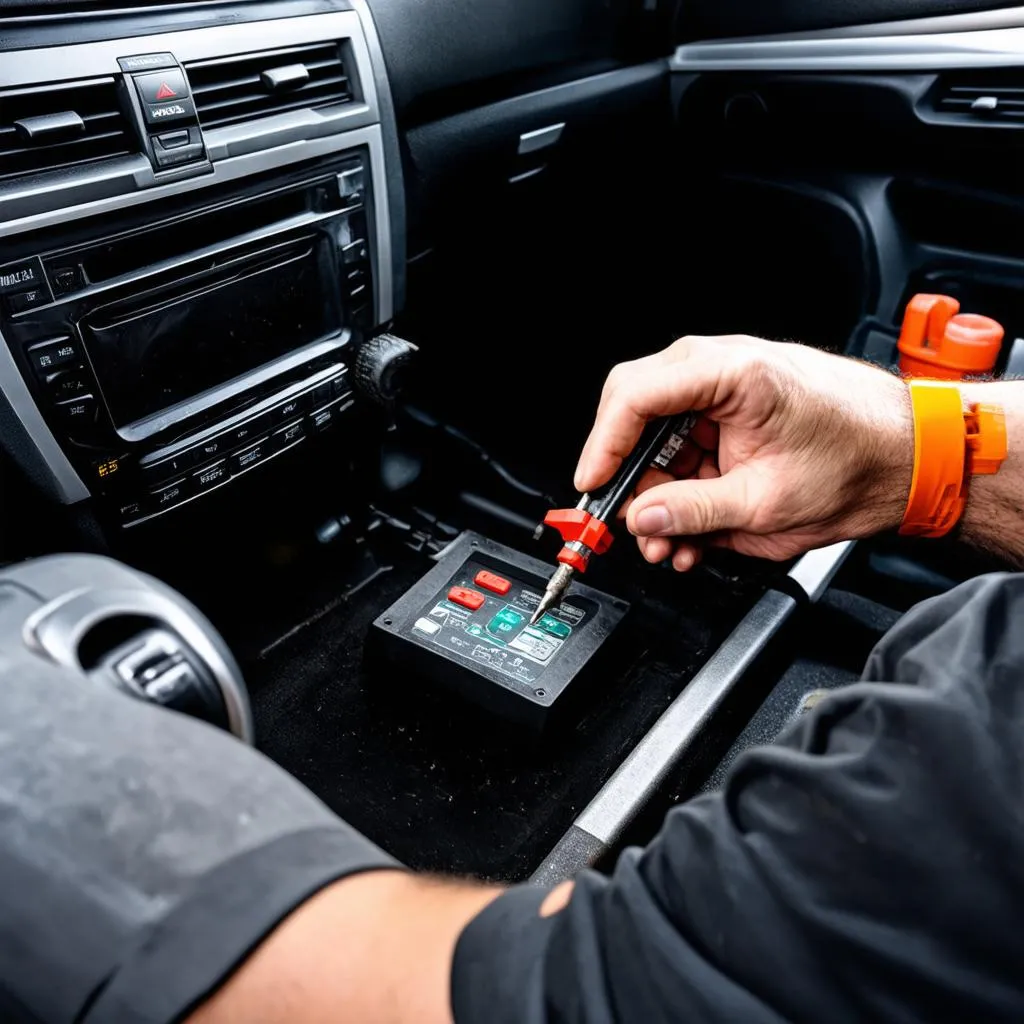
170,357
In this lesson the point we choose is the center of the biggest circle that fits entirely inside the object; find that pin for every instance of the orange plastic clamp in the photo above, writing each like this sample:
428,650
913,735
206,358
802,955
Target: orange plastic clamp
987,442
937,343
949,445
574,524
567,556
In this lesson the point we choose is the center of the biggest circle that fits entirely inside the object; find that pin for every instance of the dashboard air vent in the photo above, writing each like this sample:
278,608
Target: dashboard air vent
251,85
983,96
54,126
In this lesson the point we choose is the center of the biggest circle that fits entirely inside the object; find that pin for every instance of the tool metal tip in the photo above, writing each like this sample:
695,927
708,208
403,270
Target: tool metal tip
548,601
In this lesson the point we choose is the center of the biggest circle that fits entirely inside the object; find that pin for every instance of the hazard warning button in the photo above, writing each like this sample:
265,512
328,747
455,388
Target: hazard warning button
165,96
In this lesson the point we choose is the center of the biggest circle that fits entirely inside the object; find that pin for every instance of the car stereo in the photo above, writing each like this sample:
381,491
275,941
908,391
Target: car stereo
170,358
198,230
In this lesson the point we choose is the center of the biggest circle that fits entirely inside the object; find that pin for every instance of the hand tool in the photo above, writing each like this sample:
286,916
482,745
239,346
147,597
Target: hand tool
586,528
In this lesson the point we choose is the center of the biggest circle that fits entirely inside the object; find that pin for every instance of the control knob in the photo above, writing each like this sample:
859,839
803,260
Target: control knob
380,366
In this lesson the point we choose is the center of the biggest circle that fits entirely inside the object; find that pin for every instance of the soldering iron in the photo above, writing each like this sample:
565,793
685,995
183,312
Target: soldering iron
586,529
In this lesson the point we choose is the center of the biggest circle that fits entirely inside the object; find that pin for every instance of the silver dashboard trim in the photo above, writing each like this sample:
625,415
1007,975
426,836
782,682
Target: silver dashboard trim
67,483
923,45
1007,17
88,60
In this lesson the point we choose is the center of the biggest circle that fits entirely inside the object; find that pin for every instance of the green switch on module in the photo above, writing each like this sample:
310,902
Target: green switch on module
551,625
505,622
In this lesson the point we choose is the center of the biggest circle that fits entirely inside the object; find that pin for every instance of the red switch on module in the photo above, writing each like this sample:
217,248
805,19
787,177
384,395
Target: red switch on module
471,599
493,582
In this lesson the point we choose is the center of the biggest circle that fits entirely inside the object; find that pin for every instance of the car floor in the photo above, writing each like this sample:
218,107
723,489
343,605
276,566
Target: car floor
432,781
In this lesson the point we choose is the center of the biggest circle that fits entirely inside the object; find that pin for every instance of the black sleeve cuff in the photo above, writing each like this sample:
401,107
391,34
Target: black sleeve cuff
211,930
497,970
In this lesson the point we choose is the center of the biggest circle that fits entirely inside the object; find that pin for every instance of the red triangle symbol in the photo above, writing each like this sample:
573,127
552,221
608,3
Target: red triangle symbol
165,92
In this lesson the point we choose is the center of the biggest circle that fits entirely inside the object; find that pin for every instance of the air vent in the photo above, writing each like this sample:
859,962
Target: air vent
252,85
983,96
54,126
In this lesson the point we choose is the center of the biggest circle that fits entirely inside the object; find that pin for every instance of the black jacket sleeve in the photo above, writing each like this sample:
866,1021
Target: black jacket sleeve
867,867
142,854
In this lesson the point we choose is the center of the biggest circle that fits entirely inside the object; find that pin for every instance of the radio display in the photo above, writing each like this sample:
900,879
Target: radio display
153,351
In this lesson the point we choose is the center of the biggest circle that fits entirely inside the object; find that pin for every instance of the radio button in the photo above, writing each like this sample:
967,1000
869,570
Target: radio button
21,302
178,155
53,355
131,509
79,415
321,393
249,457
247,431
324,419
211,448
172,140
212,476
169,495
292,408
68,383
289,435
174,466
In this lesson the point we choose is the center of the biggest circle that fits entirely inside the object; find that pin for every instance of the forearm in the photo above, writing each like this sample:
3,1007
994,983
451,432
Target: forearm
374,948
994,520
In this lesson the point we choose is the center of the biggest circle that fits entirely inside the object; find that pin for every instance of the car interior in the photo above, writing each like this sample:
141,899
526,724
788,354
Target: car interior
305,310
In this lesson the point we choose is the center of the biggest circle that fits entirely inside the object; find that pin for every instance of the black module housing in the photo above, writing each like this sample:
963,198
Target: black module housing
491,656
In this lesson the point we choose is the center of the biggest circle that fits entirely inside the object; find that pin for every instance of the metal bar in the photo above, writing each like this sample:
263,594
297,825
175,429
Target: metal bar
638,778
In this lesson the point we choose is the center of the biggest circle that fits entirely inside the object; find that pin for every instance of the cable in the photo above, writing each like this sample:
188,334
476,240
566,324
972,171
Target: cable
426,420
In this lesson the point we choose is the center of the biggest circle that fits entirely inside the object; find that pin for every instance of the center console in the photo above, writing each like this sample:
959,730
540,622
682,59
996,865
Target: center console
197,230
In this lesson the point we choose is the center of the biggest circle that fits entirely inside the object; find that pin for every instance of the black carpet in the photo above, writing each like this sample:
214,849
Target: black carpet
428,780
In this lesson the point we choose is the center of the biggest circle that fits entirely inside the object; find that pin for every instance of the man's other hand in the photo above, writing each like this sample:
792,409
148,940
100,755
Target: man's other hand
794,448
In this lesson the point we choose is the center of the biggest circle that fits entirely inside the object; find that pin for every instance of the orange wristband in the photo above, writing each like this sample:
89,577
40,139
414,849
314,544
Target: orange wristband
950,446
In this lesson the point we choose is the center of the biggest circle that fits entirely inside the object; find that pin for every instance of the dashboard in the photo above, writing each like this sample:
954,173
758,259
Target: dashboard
197,227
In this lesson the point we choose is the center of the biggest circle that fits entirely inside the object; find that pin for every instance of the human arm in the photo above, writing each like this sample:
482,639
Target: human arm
795,449
376,948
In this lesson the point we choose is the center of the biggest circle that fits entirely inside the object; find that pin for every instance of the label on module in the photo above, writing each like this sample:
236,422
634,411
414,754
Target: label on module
498,635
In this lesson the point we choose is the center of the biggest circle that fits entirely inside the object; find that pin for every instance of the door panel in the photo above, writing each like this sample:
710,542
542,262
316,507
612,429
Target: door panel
715,19
871,186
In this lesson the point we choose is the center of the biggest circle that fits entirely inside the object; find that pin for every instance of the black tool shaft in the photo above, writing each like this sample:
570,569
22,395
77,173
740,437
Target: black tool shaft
654,442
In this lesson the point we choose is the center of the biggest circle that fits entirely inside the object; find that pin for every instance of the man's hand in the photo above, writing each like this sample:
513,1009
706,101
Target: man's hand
795,448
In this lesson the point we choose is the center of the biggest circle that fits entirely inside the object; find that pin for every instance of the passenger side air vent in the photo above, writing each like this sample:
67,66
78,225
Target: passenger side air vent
53,126
251,85
983,96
